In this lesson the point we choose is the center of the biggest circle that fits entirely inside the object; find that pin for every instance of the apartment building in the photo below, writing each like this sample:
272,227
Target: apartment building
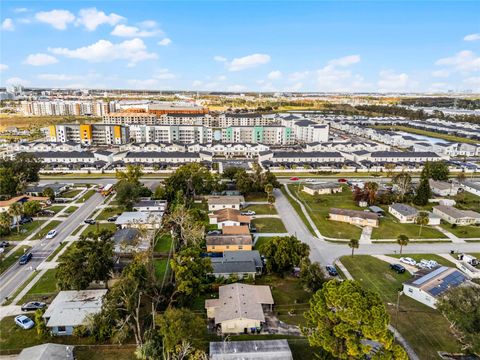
89,134
248,119
130,118
269,135
184,134
65,108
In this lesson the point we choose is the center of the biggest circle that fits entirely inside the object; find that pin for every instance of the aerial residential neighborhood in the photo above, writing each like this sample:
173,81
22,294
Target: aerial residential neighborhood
260,180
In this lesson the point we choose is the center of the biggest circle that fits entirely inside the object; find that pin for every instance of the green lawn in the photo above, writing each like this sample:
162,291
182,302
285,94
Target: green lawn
390,228
43,232
299,211
122,352
98,226
425,329
71,193
57,250
44,289
25,230
86,196
256,197
471,231
261,209
468,201
163,243
269,225
418,257
318,207
108,212
56,208
261,241
161,268
8,261
71,209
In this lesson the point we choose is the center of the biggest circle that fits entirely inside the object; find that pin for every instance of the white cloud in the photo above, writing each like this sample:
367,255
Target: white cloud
59,19
391,81
441,73
165,42
248,62
148,24
236,88
3,67
197,83
298,75
345,61
20,10
143,84
438,87
133,31
473,82
164,74
7,25
294,87
17,81
336,76
58,77
40,59
463,61
222,78
219,58
91,18
274,75
472,37
133,50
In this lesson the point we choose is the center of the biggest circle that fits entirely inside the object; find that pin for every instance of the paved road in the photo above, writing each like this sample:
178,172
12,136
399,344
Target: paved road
326,252
18,274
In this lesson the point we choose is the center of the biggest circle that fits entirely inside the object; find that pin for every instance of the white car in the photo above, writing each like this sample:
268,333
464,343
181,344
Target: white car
407,260
24,322
427,264
51,234
248,213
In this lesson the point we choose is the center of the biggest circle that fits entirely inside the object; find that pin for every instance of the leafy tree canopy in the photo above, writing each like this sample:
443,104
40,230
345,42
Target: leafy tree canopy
284,253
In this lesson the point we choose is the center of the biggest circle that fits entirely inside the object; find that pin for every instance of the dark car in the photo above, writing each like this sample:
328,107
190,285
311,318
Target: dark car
33,305
90,221
214,232
112,218
25,258
398,268
25,220
253,229
4,244
331,270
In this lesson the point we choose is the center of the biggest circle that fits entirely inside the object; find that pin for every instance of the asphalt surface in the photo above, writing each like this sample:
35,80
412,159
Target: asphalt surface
18,274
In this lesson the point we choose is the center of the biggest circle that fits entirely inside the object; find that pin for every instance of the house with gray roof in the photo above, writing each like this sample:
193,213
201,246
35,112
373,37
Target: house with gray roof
47,351
251,350
443,188
129,240
456,216
403,212
322,188
239,263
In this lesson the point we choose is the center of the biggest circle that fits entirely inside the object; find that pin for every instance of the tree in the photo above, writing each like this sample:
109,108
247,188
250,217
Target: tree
311,275
8,182
16,211
371,189
40,325
402,240
230,172
31,208
5,223
131,175
48,192
461,177
423,193
284,253
344,318
461,306
190,270
185,227
403,182
127,194
390,167
16,173
422,219
176,325
353,244
269,191
436,170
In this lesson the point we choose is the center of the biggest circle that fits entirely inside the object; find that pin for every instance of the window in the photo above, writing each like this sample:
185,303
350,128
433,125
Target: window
61,329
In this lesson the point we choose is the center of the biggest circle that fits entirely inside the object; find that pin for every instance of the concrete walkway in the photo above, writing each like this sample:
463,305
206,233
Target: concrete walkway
365,238
448,234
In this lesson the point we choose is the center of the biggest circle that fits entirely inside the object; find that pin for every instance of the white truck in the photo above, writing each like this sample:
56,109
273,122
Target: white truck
469,259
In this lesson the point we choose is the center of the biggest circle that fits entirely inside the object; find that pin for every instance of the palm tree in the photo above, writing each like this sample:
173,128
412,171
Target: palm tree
353,244
402,240
16,211
371,188
422,219
5,221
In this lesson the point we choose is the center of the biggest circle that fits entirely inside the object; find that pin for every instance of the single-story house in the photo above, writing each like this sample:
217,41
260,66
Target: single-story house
37,190
5,204
70,309
221,243
355,217
443,188
239,307
239,263
251,350
147,204
128,240
217,202
471,187
47,351
140,220
427,285
228,217
456,216
403,212
236,230
322,188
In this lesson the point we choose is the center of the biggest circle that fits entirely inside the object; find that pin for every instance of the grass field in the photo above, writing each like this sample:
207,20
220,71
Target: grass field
28,122
86,196
43,232
30,227
45,287
269,225
98,226
390,228
408,129
8,261
161,268
425,329
471,231
71,209
70,194
57,250
163,244
108,212
105,353
261,209
56,208
468,201
256,197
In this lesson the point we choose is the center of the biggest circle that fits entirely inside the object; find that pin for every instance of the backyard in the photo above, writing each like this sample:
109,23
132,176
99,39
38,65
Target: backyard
261,209
269,225
108,212
163,243
425,329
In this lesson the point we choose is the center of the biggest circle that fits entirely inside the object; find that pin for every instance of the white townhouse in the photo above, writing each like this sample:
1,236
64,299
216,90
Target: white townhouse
156,157
300,156
230,150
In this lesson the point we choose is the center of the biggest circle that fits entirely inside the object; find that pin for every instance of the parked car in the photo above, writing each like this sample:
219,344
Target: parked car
331,270
46,213
90,221
51,234
248,213
214,232
427,264
342,180
397,268
4,244
24,322
25,220
407,260
33,305
294,178
253,229
112,218
25,258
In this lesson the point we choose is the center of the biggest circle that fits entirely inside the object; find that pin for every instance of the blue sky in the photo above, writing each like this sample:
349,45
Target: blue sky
240,46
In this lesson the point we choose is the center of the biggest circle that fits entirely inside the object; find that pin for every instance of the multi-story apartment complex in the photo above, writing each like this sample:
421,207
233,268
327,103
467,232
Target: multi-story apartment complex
65,108
89,134
130,118
184,134
270,135
249,119
139,118
307,131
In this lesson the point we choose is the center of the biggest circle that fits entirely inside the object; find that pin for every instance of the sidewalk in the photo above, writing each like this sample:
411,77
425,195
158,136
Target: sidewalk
448,234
